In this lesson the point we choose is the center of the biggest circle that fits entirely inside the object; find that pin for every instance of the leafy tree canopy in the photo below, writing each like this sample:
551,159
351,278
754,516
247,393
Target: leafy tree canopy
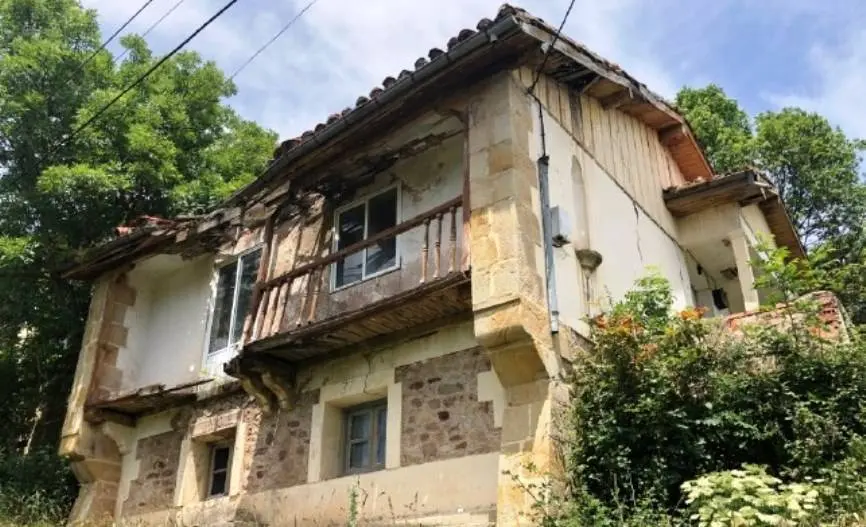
814,165
169,146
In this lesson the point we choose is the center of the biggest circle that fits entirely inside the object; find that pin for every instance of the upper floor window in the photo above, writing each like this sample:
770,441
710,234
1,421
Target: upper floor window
234,291
358,222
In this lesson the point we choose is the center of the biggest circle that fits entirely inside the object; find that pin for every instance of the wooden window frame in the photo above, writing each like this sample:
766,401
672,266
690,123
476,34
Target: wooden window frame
211,472
365,200
373,408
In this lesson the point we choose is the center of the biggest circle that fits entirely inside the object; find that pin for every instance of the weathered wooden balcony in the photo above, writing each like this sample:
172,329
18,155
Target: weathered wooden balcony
299,315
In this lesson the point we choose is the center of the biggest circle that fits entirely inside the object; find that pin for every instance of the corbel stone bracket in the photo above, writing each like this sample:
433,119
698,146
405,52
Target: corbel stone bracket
269,380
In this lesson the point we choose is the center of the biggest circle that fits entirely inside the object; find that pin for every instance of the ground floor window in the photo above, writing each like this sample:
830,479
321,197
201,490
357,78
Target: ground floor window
366,429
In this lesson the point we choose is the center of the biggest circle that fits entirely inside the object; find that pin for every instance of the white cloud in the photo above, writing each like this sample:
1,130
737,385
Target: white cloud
840,81
342,48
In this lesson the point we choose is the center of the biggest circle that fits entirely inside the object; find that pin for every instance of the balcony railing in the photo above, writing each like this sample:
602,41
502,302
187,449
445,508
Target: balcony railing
291,302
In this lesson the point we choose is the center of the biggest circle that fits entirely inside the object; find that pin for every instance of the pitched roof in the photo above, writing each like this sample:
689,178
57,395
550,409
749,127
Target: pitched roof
511,37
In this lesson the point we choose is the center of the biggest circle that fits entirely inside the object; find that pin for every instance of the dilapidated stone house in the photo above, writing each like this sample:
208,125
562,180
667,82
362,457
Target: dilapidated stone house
386,311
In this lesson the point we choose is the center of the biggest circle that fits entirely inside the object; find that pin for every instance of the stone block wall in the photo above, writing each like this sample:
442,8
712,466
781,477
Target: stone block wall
154,487
277,446
442,417
107,376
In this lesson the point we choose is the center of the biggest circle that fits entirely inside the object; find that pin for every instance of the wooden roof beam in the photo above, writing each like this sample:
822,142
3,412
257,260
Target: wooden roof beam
669,134
617,99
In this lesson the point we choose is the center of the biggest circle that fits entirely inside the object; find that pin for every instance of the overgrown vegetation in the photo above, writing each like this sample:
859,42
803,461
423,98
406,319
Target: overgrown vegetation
169,146
173,146
676,420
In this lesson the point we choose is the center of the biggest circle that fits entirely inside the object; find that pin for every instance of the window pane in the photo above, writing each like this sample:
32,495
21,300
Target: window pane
382,215
359,455
350,230
249,273
381,430
218,484
359,426
220,458
225,293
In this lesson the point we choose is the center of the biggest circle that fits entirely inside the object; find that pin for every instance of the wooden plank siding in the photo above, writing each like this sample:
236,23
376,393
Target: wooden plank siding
626,148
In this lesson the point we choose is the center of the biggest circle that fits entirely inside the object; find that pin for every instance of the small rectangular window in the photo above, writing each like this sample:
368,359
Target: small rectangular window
218,483
234,290
366,432
358,223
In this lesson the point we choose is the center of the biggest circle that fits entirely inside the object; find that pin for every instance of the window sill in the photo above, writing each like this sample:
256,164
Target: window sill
367,278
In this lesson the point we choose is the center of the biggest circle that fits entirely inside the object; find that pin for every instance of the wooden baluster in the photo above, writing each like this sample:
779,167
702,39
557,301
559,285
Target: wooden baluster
316,291
424,249
272,311
437,255
282,299
452,256
304,294
261,311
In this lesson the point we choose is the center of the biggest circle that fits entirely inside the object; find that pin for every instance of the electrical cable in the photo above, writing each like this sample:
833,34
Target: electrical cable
146,74
153,26
113,35
273,39
550,47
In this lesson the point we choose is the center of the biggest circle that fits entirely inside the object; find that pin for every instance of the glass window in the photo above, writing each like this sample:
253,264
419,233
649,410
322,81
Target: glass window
234,291
365,437
219,470
358,223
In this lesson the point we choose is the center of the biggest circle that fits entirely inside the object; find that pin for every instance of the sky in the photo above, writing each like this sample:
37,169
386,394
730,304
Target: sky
767,54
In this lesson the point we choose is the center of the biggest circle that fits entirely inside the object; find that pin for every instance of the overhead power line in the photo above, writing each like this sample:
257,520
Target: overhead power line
145,75
550,47
273,39
117,32
153,26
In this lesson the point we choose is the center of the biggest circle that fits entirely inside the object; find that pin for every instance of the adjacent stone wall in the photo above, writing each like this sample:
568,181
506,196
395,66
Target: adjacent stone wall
158,458
277,446
107,376
442,417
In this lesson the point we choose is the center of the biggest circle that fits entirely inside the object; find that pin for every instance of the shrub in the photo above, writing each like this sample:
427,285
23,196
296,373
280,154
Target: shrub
36,489
668,398
749,497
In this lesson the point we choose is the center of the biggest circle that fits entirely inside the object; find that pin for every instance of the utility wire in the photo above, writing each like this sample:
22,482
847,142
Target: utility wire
113,35
152,27
550,47
274,38
146,74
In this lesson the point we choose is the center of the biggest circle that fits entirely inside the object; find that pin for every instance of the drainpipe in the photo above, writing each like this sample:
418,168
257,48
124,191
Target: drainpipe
544,192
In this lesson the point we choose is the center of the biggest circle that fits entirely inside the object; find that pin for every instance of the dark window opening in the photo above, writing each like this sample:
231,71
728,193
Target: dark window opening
218,483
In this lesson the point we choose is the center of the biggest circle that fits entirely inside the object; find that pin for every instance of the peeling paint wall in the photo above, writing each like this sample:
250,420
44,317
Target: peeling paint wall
425,181
168,323
629,240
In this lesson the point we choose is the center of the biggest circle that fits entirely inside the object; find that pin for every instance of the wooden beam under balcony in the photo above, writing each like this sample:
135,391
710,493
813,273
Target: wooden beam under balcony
434,300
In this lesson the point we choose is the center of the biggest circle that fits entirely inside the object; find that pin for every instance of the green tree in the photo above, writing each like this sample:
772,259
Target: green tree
722,127
814,165
169,146
816,169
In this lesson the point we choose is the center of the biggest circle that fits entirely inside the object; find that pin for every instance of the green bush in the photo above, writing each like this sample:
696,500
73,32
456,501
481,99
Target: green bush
668,398
749,497
37,489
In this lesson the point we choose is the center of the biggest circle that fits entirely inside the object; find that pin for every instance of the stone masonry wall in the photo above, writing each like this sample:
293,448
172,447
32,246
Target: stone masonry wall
153,489
442,417
277,446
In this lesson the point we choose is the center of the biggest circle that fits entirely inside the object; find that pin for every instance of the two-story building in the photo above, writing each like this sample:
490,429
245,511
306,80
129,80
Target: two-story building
383,317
